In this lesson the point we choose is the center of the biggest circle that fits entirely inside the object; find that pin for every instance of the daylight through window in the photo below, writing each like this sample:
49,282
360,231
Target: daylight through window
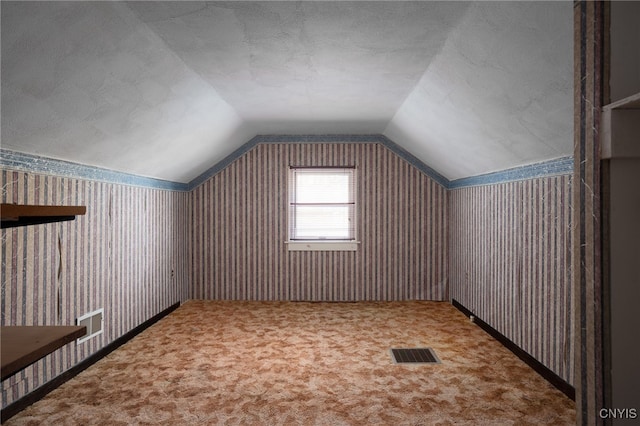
322,204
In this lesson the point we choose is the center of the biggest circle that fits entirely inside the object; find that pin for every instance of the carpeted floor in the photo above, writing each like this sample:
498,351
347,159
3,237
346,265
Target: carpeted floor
287,363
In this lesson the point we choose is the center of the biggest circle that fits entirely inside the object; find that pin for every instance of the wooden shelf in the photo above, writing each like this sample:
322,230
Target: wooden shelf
21,215
619,129
24,345
630,102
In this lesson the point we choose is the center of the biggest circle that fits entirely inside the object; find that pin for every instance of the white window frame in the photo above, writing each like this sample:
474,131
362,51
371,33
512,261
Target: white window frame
321,243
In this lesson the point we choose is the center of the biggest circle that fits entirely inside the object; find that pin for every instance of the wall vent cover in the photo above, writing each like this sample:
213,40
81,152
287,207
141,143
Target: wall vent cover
414,356
94,323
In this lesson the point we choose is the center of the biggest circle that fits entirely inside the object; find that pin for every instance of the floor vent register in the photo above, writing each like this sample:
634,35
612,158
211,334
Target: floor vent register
414,356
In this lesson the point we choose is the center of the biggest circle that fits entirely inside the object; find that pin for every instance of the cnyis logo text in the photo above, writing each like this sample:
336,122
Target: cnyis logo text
618,413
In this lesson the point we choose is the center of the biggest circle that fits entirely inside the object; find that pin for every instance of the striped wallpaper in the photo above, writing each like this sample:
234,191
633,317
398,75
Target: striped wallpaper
502,249
239,229
510,263
127,255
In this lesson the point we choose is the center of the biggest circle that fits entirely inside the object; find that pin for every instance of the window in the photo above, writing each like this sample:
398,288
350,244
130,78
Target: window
322,209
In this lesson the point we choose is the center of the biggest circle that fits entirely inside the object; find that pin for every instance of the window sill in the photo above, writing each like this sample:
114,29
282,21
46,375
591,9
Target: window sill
322,245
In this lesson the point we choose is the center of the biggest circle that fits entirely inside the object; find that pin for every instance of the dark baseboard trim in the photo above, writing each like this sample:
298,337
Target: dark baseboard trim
540,368
39,393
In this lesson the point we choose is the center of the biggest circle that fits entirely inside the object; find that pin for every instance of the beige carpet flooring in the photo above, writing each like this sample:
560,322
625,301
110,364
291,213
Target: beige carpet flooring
290,363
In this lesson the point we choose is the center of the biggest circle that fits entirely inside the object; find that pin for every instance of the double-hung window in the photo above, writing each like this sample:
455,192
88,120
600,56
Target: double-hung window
322,208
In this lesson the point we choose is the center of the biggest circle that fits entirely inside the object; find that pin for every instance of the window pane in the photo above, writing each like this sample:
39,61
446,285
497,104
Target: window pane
322,204
322,187
316,222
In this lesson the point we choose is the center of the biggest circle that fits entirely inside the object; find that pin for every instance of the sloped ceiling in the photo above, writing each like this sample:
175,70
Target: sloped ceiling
167,89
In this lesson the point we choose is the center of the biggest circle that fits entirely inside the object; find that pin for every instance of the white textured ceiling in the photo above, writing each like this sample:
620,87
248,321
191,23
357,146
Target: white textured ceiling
167,89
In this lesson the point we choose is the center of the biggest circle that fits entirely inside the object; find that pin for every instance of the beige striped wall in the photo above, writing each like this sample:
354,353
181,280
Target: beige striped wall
510,263
501,250
127,255
240,227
